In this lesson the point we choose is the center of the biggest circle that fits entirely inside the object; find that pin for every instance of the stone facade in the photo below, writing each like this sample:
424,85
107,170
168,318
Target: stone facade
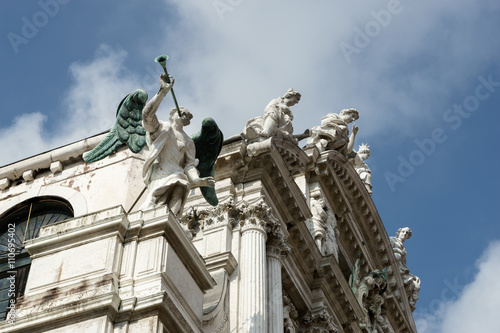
276,254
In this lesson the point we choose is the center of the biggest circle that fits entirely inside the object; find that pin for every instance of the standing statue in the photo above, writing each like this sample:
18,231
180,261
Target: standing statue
175,163
170,167
324,227
319,216
358,162
277,120
411,282
333,134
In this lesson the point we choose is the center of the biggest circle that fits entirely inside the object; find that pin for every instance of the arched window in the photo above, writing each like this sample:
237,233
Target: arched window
21,223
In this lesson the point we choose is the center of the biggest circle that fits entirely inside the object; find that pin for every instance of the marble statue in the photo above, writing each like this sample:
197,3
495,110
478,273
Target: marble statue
175,162
358,162
333,134
411,282
324,227
319,216
170,166
277,120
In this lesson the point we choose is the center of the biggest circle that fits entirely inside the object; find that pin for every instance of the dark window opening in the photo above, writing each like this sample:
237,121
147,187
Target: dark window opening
20,224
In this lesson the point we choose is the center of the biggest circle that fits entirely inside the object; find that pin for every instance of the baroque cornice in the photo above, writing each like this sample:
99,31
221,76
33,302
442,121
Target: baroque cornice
359,221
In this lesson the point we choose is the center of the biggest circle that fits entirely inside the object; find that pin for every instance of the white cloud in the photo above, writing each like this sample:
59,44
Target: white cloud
230,69
401,79
88,108
23,138
476,308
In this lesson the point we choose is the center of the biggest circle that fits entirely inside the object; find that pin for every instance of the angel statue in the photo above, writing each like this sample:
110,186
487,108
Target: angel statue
175,162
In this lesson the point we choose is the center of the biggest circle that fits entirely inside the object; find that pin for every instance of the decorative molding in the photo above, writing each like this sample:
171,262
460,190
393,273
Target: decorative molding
318,322
276,244
225,260
75,198
290,314
54,303
223,214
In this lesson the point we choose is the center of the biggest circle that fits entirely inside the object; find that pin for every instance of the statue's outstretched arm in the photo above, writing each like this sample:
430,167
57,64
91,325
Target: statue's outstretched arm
352,138
149,119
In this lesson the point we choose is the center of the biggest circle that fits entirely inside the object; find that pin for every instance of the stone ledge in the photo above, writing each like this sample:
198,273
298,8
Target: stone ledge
225,260
59,312
78,231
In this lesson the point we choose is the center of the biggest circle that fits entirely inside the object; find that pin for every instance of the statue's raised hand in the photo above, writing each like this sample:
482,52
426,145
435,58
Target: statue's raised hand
166,83
355,129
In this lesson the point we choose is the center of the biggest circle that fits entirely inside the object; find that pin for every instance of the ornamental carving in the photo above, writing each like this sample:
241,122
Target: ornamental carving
223,214
277,246
257,215
290,315
189,222
66,298
196,219
318,322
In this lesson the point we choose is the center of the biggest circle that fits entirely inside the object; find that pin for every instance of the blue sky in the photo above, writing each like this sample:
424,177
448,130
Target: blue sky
424,77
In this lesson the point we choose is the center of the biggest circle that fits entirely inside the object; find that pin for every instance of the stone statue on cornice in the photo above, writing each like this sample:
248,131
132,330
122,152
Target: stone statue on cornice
333,134
170,169
277,120
358,162
411,282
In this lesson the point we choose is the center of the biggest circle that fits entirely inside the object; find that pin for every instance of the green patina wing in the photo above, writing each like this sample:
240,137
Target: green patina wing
208,143
126,130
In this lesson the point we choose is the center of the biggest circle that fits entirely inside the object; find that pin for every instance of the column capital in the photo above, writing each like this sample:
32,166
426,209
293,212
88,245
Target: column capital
223,214
256,215
277,246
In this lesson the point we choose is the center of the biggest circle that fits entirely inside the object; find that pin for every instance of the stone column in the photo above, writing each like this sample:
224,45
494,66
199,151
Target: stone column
252,266
277,249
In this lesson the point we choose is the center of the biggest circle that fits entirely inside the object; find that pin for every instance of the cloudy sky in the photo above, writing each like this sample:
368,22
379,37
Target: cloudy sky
424,76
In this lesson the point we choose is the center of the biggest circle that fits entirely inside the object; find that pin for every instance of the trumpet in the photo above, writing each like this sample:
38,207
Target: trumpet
162,60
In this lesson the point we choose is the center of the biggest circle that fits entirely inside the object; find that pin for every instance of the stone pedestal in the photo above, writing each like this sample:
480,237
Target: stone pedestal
112,272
